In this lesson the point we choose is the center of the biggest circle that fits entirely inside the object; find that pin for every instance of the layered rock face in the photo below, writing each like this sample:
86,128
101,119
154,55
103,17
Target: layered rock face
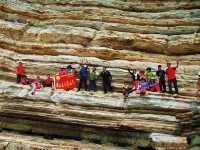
47,34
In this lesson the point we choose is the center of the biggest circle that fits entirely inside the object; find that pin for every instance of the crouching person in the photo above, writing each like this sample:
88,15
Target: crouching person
143,86
36,85
127,89
24,80
48,82
154,86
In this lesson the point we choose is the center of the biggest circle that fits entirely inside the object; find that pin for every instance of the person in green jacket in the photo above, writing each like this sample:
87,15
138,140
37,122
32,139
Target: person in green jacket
92,79
149,74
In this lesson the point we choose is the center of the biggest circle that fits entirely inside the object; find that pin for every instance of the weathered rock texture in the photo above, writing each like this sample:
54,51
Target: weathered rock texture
47,34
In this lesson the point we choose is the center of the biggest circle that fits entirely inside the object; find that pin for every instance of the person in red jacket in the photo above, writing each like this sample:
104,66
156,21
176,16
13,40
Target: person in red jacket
171,76
48,82
20,71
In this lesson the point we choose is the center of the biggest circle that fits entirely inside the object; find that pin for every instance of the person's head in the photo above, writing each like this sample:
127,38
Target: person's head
125,83
94,69
48,75
143,80
38,77
159,67
168,64
104,69
148,69
20,63
199,74
69,67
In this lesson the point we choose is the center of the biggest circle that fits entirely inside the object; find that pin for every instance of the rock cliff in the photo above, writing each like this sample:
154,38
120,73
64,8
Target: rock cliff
47,34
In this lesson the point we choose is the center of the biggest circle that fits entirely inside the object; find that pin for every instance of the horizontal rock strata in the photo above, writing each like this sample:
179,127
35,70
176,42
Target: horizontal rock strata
96,117
122,34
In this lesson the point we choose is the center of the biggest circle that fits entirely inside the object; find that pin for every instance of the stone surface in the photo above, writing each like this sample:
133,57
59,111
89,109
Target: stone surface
120,34
106,118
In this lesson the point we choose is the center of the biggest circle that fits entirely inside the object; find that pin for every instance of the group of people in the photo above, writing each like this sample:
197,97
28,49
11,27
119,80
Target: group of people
86,75
35,84
148,80
90,74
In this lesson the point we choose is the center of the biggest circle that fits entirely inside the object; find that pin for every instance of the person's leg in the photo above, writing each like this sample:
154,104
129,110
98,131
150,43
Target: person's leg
130,91
164,86
33,89
95,86
90,85
160,84
175,86
85,84
170,86
44,84
109,87
18,78
80,84
105,87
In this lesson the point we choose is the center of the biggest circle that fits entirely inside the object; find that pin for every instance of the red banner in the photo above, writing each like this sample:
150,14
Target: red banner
66,82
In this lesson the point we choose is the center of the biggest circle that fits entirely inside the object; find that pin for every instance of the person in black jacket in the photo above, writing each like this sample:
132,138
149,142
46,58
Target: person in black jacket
106,80
161,75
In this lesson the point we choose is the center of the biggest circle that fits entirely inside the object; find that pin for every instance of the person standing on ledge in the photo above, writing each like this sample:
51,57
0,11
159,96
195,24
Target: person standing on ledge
160,73
20,72
107,80
92,79
83,73
171,77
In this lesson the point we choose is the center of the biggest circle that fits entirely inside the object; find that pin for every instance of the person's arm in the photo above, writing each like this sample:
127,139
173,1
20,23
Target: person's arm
131,73
16,70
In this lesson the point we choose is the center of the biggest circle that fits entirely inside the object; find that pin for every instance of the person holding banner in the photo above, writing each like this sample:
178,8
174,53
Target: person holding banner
83,74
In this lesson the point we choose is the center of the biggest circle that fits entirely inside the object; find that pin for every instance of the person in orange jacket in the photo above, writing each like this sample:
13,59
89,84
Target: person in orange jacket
171,76
20,72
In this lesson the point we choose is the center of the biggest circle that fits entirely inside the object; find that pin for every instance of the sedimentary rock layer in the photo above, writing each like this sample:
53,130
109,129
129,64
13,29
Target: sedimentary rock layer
97,117
46,35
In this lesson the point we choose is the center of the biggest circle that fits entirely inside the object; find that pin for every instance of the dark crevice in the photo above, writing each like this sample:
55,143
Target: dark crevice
145,148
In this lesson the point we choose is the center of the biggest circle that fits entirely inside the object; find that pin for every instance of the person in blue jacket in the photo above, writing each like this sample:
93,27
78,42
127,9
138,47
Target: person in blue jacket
83,74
